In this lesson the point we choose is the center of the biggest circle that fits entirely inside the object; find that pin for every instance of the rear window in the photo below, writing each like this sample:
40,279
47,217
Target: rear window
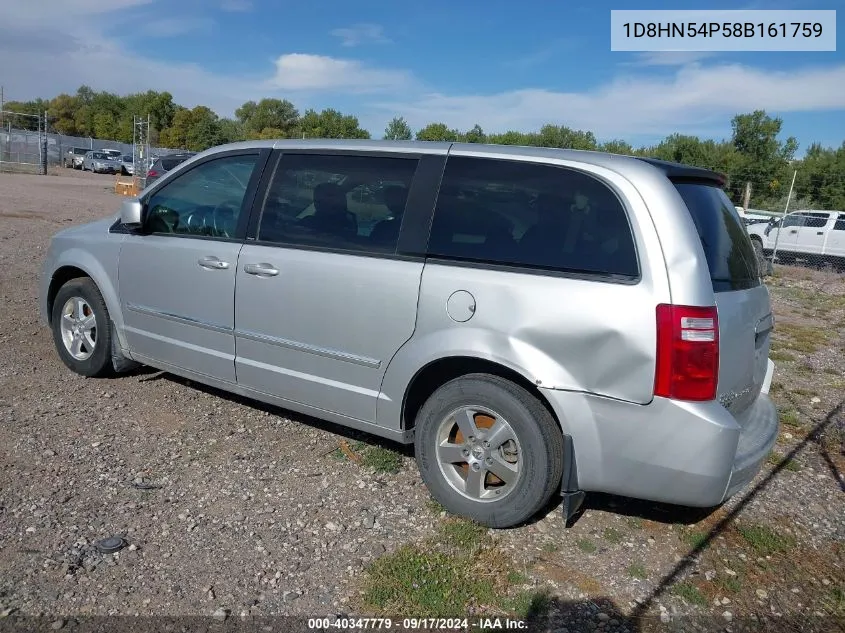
730,255
169,163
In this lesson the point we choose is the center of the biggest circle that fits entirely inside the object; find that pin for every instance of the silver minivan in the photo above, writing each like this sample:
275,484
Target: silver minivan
535,321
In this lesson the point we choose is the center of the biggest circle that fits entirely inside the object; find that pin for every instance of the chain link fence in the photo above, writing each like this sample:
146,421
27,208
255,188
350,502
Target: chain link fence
808,238
28,150
22,143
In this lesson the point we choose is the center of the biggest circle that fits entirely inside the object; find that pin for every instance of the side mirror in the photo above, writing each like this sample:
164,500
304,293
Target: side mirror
130,213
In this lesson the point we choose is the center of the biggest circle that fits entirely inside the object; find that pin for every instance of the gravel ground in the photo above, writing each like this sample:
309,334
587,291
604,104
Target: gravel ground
230,505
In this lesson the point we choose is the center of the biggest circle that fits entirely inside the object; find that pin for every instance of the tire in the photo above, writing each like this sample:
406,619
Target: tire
484,402
763,263
91,360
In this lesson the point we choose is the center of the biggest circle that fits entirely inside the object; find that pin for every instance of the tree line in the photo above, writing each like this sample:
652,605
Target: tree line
754,154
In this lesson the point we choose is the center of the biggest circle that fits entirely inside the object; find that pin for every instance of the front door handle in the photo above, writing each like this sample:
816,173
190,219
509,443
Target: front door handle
212,263
261,270
819,232
794,231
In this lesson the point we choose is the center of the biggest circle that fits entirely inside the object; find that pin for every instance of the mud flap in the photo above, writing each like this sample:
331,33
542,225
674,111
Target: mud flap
119,362
572,496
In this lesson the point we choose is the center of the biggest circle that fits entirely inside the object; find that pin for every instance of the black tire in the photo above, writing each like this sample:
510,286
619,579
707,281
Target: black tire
538,434
99,363
763,263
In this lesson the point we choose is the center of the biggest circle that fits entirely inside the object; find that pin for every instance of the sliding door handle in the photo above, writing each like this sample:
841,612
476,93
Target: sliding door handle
261,270
212,263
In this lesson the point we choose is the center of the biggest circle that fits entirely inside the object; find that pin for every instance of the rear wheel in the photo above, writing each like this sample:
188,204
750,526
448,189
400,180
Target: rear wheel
763,263
82,329
488,450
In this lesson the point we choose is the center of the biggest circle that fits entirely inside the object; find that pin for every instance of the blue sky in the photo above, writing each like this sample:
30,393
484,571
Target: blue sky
504,65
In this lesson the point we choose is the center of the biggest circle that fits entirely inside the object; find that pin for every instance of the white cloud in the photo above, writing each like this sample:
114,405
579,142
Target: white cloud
236,6
173,26
668,58
360,33
300,71
693,99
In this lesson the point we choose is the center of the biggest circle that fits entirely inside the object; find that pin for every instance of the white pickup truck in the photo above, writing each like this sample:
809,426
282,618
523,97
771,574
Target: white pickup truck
817,236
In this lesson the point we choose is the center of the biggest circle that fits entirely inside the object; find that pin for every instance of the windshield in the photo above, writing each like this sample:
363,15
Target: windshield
730,254
99,156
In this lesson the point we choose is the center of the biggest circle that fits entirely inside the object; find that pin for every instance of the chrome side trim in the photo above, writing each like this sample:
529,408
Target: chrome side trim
178,318
372,363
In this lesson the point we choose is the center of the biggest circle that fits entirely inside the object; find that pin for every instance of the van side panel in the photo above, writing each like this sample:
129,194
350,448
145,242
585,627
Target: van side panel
562,333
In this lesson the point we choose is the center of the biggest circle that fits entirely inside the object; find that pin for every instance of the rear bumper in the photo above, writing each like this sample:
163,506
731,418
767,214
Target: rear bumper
685,453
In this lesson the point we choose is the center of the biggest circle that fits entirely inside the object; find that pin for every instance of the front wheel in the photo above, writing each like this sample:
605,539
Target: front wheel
82,329
488,450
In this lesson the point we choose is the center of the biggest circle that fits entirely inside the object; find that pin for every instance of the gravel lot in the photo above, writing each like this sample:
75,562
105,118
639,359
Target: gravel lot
229,505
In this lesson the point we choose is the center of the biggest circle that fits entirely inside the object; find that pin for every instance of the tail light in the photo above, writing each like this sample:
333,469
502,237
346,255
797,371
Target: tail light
152,173
687,352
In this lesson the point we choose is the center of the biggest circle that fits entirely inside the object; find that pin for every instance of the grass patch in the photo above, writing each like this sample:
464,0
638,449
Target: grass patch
435,506
834,601
789,464
430,583
612,535
586,545
382,460
550,548
437,579
694,539
690,593
764,540
530,605
779,355
789,417
464,535
803,338
635,522
636,570
730,584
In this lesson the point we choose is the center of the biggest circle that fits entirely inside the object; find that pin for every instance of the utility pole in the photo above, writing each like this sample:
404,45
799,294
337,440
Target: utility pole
1,107
789,195
747,198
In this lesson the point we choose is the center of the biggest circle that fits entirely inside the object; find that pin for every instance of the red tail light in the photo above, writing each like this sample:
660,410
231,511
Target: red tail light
152,173
687,353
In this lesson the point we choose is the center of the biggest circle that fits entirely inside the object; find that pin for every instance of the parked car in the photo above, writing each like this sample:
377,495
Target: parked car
127,165
533,320
805,234
164,164
74,156
99,162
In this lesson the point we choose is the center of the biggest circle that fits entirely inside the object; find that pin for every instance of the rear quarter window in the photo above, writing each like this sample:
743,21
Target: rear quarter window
727,247
533,216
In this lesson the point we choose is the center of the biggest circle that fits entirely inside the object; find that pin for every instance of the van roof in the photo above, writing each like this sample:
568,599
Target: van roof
674,171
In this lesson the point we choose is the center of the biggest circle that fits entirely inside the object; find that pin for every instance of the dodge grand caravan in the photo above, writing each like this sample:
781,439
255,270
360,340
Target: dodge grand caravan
535,321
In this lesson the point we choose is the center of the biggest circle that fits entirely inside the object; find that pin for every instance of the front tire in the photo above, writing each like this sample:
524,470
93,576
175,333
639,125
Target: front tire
488,450
82,328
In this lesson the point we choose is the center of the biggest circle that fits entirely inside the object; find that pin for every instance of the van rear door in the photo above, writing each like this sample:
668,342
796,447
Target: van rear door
742,300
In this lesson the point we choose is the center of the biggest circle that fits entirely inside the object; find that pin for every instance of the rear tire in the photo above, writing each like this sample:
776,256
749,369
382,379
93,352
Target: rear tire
763,262
530,461
82,328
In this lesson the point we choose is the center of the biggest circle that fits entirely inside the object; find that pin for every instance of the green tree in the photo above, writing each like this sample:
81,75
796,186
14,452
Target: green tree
764,159
616,146
330,124
275,114
398,130
61,114
230,131
437,132
475,135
